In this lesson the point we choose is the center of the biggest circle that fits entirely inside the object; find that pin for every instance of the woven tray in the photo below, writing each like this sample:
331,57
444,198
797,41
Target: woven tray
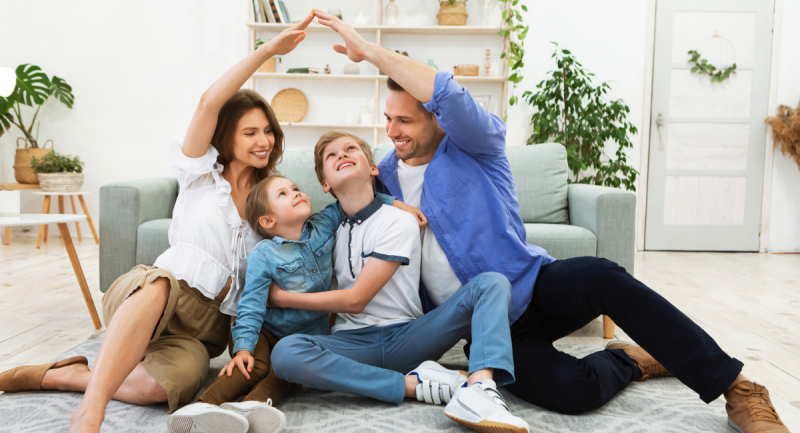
290,105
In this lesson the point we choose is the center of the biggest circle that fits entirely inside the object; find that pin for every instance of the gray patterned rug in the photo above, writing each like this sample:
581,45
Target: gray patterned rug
658,405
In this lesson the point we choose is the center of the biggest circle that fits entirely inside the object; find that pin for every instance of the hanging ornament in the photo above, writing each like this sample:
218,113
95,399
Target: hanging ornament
701,65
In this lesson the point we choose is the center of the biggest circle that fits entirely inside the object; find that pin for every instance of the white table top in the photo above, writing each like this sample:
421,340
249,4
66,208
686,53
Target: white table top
34,219
60,193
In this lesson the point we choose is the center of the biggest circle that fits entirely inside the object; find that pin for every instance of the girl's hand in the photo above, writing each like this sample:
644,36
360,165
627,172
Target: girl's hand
275,293
422,220
287,40
243,358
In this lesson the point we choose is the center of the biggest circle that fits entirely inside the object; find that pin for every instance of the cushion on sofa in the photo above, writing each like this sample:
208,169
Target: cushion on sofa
152,239
562,241
298,166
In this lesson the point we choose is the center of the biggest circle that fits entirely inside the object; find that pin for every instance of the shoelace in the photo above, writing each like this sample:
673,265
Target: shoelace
758,404
433,392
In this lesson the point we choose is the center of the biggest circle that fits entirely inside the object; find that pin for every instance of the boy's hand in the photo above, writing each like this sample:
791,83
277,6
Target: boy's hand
243,358
421,219
275,296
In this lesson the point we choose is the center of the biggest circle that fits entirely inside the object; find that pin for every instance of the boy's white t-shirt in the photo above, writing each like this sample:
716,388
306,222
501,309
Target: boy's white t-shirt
379,232
437,274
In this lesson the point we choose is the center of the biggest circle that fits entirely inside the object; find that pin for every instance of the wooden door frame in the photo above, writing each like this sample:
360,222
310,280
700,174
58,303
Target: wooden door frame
766,193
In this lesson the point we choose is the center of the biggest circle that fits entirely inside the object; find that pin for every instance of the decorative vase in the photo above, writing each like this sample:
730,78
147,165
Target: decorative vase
391,14
271,65
61,182
23,172
452,14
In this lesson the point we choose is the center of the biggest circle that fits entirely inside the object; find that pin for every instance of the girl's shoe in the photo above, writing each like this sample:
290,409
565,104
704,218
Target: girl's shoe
263,418
206,418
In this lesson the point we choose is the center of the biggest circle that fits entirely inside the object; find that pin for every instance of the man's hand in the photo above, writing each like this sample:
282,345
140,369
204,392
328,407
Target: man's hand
287,40
356,47
421,219
243,358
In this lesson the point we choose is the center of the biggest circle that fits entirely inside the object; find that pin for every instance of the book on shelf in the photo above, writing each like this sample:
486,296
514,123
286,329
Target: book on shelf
256,11
303,71
266,12
274,9
284,13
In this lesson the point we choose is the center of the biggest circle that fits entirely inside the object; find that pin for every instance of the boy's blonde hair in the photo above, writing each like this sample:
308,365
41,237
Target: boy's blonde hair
257,205
330,136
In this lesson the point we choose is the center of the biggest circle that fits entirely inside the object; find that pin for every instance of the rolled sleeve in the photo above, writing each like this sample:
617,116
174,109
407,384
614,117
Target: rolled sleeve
252,308
396,244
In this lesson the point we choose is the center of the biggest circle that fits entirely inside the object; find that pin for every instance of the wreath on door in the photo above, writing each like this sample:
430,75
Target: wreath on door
701,65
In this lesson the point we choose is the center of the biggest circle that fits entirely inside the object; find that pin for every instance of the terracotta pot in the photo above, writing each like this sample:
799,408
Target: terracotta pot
270,65
452,14
23,172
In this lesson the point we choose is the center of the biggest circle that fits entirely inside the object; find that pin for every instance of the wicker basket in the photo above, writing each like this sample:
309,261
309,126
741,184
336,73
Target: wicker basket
23,172
466,70
290,105
452,14
61,182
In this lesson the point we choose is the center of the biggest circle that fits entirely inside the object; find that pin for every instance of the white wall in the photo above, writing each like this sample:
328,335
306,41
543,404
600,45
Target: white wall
785,210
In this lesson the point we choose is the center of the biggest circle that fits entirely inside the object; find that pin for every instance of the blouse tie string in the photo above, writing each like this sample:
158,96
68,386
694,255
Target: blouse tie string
238,247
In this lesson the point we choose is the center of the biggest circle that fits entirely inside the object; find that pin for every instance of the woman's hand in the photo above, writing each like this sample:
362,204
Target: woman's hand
243,358
287,40
275,296
422,220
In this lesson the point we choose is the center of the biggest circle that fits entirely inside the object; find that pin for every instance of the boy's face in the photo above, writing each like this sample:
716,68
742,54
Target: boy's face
288,206
344,163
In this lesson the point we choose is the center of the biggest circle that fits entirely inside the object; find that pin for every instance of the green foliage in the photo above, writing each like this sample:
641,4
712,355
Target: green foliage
516,33
570,110
54,162
701,66
259,43
33,89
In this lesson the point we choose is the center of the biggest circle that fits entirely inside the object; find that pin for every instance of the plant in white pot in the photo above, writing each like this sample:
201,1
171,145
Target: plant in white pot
59,173
452,12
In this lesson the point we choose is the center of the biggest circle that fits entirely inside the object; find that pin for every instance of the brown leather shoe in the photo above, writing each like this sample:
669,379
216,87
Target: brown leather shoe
750,410
29,377
646,363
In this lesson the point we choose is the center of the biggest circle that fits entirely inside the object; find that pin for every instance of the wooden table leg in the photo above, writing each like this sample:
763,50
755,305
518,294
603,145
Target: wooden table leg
7,236
88,219
43,227
608,328
77,223
76,266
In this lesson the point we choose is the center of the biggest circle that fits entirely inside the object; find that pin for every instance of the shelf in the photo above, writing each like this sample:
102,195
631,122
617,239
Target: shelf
371,78
424,30
328,126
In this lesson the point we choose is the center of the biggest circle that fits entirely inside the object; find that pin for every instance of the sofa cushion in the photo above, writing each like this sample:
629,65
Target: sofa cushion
562,241
298,166
152,239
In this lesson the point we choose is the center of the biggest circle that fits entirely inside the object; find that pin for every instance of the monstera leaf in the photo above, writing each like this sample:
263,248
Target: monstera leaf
62,91
5,116
33,86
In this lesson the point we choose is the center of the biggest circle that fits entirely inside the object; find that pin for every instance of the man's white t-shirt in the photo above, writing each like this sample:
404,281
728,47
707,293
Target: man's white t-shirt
379,232
437,274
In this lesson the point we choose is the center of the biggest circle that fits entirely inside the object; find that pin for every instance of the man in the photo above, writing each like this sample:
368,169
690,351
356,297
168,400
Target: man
449,160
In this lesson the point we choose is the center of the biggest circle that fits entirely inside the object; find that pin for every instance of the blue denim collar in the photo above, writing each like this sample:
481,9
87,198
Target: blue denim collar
303,236
365,213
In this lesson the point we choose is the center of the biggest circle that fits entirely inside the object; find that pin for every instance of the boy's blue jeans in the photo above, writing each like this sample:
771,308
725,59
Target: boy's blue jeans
373,361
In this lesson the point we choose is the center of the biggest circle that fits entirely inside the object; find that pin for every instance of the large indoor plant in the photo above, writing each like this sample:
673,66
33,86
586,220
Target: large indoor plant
33,88
59,173
572,111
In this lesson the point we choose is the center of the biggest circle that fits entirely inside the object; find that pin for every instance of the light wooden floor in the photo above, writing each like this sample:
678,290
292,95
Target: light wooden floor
750,303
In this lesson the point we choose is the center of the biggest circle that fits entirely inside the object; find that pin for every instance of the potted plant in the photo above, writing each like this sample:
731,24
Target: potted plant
271,65
33,88
452,13
59,173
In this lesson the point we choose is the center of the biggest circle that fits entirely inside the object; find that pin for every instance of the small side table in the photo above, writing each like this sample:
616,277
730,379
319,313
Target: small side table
61,221
60,195
15,187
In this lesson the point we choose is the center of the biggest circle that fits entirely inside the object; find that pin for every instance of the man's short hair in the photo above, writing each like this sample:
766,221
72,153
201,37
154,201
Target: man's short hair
393,86
328,137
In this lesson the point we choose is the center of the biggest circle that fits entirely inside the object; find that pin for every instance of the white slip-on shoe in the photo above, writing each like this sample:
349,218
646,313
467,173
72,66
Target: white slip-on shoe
481,408
206,418
437,384
263,418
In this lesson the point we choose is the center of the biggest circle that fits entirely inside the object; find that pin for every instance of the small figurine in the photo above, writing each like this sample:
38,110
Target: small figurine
488,64
327,69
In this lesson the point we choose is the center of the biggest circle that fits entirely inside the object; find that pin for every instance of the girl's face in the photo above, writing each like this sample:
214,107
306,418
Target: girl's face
254,139
288,206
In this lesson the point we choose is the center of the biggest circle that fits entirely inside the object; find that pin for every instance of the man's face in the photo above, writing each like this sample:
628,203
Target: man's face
413,130
344,163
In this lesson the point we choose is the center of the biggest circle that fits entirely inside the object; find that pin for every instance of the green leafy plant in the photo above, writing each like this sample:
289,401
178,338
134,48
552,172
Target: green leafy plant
54,162
572,111
515,32
33,88
701,66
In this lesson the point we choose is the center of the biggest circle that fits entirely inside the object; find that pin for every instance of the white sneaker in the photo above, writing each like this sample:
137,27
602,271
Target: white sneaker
206,418
481,408
437,384
263,418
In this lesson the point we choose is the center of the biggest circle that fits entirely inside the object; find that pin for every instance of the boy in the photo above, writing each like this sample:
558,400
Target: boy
380,332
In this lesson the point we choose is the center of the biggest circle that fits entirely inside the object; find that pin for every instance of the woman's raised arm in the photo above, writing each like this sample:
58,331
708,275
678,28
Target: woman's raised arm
204,121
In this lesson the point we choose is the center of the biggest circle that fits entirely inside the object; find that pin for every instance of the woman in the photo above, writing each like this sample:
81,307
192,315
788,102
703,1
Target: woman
164,323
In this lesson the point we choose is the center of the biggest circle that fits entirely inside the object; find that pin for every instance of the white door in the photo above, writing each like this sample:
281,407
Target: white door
707,160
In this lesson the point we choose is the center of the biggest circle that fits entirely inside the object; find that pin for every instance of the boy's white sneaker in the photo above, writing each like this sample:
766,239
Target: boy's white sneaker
481,408
206,418
263,418
437,384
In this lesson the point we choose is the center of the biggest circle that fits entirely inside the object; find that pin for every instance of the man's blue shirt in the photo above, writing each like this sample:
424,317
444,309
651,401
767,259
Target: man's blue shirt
470,198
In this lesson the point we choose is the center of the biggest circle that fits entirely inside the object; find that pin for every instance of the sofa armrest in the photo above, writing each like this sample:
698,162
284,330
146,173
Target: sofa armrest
123,207
610,214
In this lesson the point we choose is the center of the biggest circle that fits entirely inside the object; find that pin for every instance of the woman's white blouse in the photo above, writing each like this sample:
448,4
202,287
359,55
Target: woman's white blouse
208,239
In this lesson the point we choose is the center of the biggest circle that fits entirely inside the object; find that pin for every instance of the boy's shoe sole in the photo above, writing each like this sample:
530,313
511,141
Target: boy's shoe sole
262,418
489,426
208,422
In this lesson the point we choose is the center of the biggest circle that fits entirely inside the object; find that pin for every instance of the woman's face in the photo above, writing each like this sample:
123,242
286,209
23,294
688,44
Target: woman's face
254,139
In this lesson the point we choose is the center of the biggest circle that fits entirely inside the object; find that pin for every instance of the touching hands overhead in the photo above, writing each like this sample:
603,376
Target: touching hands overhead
287,40
356,46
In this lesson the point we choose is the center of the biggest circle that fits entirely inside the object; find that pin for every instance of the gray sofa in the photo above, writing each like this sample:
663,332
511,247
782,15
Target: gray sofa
566,220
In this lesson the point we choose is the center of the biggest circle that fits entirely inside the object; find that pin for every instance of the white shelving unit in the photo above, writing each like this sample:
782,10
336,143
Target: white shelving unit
377,31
